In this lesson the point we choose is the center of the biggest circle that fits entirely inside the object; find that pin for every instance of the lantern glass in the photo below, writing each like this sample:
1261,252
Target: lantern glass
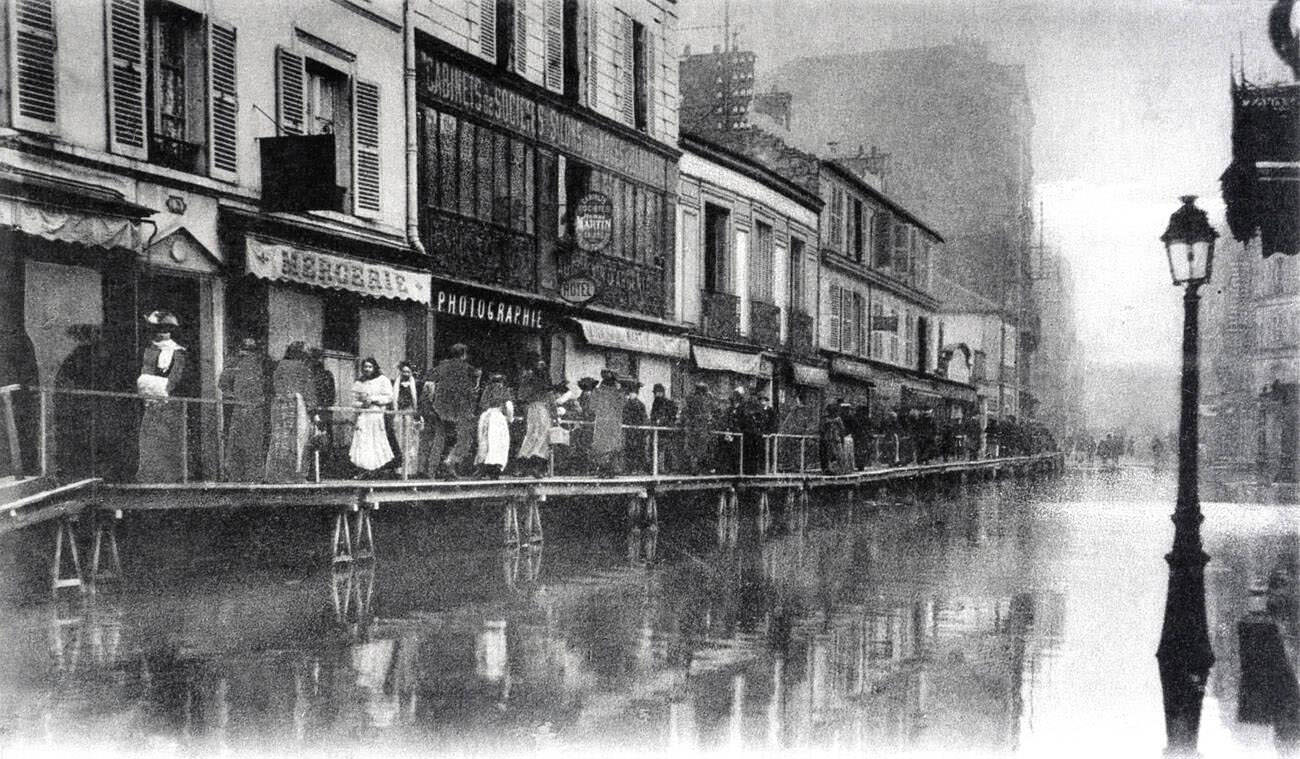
1189,243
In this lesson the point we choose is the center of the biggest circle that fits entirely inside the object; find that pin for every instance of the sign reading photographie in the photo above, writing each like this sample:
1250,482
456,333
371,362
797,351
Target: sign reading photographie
470,305
593,222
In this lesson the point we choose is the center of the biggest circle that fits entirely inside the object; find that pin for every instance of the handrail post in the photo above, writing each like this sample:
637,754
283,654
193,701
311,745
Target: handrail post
43,424
221,436
405,427
11,428
185,439
803,454
654,451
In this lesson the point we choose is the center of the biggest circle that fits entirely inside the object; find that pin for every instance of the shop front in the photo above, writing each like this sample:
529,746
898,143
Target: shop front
854,382
724,370
500,330
350,308
651,358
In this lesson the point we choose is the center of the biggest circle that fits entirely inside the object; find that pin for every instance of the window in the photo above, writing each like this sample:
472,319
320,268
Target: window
571,53
902,247
477,172
622,363
575,185
33,79
859,324
717,228
761,265
859,238
640,77
893,336
877,339
909,337
329,112
796,275
846,320
341,323
884,239
836,223
176,81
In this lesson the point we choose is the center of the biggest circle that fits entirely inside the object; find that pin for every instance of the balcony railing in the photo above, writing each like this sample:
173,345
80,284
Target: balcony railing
802,341
173,153
478,251
720,315
765,324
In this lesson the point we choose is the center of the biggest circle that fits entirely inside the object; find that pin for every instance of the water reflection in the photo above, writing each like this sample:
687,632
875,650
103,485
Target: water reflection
895,621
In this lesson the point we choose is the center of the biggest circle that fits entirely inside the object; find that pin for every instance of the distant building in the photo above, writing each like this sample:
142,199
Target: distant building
717,89
1252,346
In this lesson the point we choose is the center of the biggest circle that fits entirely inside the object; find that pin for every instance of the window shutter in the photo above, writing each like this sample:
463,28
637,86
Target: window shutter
487,29
859,328
555,45
650,72
33,42
593,57
846,321
521,37
628,85
365,148
124,37
223,103
290,90
833,330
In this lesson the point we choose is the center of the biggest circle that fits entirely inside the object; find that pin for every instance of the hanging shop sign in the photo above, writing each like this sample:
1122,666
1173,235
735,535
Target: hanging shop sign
578,289
593,222
291,263
454,302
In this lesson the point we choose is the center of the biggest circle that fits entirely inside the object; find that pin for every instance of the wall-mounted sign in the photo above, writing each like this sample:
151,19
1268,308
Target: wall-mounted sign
515,314
578,289
289,263
593,222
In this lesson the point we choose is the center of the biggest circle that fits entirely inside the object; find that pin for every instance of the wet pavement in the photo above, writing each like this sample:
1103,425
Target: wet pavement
1005,618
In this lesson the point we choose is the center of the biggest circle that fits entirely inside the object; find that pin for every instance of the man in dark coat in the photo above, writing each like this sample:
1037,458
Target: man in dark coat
663,413
245,385
634,441
455,401
323,418
697,424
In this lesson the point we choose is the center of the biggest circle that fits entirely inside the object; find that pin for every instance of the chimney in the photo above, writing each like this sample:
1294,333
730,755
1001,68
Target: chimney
686,51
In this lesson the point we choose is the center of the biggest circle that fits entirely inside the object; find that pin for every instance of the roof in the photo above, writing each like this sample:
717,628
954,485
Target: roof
893,205
753,169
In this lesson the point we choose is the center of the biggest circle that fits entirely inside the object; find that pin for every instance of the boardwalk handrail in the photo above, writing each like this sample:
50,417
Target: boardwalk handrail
11,428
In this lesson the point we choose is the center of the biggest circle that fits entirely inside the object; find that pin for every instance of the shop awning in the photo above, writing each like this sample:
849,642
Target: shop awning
636,340
719,360
284,262
811,376
65,211
855,369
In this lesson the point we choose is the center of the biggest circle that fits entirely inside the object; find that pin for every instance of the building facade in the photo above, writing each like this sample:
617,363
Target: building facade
1252,325
547,138
747,281
880,325
143,171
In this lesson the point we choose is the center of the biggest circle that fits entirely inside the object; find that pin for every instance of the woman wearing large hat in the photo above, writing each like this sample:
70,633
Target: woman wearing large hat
162,426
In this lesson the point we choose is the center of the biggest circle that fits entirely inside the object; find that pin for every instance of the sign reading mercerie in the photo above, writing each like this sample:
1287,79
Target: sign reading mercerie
593,222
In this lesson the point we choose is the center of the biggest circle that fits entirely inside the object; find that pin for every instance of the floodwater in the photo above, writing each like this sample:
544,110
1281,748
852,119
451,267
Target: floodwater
1005,618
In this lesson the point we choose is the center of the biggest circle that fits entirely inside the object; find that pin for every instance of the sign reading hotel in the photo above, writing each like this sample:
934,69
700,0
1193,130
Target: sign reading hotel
451,303
289,263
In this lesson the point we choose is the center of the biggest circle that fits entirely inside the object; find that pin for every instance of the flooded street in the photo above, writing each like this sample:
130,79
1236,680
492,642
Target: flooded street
1008,618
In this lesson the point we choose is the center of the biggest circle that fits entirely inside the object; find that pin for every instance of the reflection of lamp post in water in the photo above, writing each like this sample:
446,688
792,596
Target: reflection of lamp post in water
1184,654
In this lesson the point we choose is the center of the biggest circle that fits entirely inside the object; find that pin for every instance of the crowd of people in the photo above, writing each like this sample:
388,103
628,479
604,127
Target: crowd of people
460,422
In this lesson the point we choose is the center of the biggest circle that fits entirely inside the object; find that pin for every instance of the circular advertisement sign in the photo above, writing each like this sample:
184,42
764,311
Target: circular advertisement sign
593,222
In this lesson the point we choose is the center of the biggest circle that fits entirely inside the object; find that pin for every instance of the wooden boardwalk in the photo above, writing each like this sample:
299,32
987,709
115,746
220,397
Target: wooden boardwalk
354,503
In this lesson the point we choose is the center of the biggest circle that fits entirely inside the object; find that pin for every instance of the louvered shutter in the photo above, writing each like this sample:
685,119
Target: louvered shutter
223,103
520,16
125,38
365,148
554,78
833,327
290,91
859,326
846,321
487,29
593,57
650,73
33,78
627,104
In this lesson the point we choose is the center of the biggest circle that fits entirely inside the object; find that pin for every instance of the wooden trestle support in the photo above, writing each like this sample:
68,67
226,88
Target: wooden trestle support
354,539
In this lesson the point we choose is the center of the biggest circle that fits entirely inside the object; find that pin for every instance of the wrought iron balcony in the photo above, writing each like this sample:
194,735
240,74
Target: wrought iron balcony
720,315
802,340
765,324
173,153
478,251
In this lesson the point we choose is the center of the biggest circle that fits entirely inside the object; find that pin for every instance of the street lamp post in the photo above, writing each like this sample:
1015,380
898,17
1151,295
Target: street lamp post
1184,655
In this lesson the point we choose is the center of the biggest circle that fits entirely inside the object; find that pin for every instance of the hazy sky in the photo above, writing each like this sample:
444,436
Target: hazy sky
1131,110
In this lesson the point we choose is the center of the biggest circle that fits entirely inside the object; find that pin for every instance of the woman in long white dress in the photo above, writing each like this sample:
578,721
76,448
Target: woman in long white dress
373,393
495,412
